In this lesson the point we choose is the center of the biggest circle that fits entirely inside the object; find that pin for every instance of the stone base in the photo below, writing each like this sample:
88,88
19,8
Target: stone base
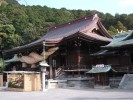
15,89
56,84
80,82
71,83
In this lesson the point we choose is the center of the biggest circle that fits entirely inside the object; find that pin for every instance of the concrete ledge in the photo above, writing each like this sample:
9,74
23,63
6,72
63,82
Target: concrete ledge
71,83
56,83
15,89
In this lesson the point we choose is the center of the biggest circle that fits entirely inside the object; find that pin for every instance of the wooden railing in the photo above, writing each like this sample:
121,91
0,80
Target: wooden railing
121,68
58,71
73,67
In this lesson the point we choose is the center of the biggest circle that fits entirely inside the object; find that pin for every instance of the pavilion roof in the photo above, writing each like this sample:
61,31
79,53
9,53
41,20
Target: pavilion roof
122,40
83,26
104,69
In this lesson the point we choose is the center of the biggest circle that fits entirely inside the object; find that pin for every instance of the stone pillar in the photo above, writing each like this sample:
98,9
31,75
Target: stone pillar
43,69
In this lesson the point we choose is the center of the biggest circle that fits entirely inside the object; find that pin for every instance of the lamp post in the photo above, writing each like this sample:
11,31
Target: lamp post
43,69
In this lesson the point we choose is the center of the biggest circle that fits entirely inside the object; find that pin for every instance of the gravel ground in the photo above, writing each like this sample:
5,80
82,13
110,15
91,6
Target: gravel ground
69,94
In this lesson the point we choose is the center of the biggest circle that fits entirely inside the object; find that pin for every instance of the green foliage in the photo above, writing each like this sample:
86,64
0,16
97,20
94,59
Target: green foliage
8,37
12,2
14,40
112,30
1,64
3,2
8,29
120,26
4,19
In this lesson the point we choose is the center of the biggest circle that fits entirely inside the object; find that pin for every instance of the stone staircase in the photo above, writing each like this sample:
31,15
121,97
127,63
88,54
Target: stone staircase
126,82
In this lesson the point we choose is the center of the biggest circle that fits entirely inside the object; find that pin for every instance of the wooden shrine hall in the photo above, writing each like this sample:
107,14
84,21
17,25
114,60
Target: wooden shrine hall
68,47
118,54
121,57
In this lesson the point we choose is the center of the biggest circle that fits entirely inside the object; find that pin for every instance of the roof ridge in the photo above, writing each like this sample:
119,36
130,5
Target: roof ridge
93,16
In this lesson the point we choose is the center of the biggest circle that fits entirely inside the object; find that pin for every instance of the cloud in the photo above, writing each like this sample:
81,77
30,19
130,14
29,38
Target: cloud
125,3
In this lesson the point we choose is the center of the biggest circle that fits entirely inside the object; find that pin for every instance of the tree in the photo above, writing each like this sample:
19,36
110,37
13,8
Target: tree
12,2
109,20
9,28
120,27
3,19
112,30
3,2
8,37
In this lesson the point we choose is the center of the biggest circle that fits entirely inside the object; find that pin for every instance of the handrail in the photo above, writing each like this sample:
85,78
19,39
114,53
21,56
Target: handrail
58,71
72,67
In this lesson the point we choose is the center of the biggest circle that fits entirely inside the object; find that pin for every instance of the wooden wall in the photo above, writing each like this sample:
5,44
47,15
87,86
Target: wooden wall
72,57
1,80
32,81
120,63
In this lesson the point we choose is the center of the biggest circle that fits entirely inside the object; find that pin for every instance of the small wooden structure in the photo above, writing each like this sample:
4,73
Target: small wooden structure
1,79
101,73
23,81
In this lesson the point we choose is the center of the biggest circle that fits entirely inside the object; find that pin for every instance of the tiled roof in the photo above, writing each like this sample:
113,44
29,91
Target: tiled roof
104,69
82,25
121,40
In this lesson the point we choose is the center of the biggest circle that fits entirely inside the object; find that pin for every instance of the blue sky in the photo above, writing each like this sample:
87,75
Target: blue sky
105,6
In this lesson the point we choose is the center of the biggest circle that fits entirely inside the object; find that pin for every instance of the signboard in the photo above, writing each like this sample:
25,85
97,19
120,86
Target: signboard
100,65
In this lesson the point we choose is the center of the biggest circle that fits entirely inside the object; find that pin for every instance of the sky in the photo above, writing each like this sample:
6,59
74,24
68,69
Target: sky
105,6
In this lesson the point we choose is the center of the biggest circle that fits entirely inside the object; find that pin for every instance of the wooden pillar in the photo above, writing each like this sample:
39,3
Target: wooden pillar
78,53
98,78
78,62
78,44
130,63
105,79
7,80
51,72
66,57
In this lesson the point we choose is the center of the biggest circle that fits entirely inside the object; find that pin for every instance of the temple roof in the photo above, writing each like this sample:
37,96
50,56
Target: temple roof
88,26
104,69
84,26
122,40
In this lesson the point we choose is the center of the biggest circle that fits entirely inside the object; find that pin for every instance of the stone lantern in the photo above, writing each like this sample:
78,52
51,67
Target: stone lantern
43,65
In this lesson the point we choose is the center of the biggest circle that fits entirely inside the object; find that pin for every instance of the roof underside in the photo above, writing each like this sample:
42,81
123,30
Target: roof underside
83,26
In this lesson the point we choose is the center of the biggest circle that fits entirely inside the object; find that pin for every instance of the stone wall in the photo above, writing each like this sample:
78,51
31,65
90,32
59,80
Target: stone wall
80,82
126,82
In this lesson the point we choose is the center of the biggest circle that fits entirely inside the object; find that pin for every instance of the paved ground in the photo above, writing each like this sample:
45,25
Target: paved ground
69,94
